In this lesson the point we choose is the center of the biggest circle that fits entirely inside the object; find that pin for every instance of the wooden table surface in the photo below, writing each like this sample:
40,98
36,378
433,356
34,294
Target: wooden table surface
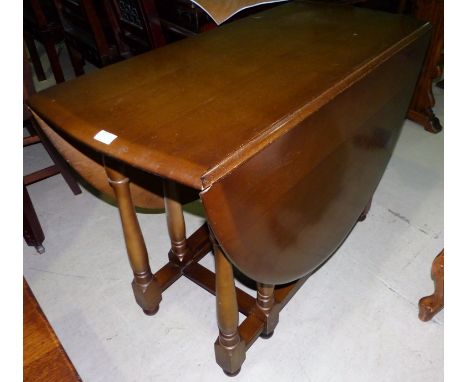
196,109
284,120
44,358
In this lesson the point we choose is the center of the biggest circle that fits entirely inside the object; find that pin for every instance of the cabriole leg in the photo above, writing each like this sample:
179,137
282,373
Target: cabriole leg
175,222
147,291
429,306
229,348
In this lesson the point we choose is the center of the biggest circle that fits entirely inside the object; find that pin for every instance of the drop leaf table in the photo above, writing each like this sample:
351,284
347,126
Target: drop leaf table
282,123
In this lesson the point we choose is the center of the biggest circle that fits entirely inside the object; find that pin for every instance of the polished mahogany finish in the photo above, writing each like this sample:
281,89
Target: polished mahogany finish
283,122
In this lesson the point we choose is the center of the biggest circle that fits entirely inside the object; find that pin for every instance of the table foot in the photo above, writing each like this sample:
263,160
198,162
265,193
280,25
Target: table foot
232,374
151,312
230,358
364,213
267,336
147,296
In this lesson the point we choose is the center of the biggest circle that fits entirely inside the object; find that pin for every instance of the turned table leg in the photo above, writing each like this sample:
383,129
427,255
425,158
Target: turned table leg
229,348
429,306
146,289
266,302
175,222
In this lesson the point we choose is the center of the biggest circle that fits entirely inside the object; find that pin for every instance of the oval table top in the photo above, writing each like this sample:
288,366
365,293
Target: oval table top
194,110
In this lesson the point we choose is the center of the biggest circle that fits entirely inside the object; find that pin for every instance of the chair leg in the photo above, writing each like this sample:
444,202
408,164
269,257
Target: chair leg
36,61
229,348
147,291
57,159
32,230
54,62
76,60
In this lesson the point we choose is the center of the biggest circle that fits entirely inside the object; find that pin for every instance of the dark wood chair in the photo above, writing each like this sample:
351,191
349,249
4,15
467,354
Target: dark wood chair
136,25
32,230
420,110
107,31
88,33
41,23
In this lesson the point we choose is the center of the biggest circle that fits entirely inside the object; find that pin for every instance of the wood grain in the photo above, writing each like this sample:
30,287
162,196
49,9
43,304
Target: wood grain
284,211
147,190
44,358
194,110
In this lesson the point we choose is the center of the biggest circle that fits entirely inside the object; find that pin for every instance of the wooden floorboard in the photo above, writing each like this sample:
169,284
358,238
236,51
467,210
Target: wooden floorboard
44,358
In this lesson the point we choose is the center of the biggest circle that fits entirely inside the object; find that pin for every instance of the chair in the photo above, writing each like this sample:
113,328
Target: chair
88,33
32,230
420,110
430,305
136,25
41,22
